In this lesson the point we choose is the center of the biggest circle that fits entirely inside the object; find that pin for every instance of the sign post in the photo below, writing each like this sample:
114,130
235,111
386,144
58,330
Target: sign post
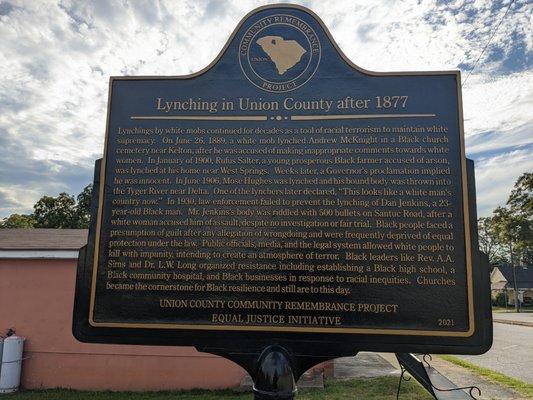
282,207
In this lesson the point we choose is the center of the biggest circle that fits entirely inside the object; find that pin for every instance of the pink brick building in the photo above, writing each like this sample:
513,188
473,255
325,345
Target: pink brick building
37,276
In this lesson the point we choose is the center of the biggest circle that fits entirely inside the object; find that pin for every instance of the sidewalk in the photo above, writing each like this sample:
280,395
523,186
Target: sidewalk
462,377
512,318
372,365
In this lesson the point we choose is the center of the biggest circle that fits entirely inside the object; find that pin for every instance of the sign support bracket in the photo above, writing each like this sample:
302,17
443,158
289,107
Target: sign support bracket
428,377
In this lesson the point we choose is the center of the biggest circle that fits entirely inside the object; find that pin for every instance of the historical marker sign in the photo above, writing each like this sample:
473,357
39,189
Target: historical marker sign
285,190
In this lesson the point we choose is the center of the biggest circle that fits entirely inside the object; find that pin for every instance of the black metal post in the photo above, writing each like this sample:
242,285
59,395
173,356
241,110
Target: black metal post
274,376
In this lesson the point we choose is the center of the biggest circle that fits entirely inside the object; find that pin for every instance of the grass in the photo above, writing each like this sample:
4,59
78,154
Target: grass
517,385
368,389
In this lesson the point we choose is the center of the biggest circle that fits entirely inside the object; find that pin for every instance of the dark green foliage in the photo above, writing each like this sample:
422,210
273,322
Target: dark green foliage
18,221
83,210
489,242
507,236
63,211
521,198
55,212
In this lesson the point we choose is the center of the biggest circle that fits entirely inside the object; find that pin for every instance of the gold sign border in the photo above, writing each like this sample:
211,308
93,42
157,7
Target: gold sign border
409,332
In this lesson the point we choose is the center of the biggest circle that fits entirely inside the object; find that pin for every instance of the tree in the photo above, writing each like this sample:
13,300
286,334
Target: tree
18,221
506,227
510,229
520,203
62,211
489,242
55,212
515,232
83,207
521,198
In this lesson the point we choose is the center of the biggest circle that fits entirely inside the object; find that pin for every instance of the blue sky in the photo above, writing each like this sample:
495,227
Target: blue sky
56,59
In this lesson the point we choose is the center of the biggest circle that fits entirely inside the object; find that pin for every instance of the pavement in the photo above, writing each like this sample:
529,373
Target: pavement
462,377
373,365
512,318
511,353
364,365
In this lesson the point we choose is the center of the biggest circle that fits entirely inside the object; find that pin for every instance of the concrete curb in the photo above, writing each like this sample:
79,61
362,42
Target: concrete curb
504,321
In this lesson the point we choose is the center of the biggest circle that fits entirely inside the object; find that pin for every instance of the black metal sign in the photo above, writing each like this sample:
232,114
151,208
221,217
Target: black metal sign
285,196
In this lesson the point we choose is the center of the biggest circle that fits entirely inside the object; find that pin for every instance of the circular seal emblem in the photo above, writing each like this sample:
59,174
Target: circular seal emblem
279,53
